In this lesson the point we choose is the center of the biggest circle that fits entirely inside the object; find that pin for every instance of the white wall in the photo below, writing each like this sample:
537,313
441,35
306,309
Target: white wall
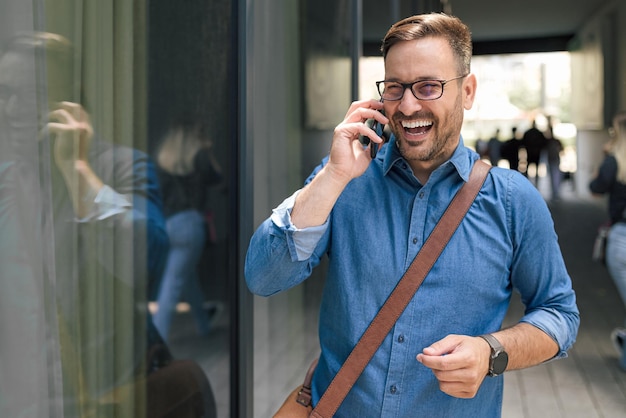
590,154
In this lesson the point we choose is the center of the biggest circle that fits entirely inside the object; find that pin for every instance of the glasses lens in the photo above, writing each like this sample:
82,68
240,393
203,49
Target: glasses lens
428,89
390,90
423,90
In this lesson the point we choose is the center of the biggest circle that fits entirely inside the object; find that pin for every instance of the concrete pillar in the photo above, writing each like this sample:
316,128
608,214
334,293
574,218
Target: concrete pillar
589,147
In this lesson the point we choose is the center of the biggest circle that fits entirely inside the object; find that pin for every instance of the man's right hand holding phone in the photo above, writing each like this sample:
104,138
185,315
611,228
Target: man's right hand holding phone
348,159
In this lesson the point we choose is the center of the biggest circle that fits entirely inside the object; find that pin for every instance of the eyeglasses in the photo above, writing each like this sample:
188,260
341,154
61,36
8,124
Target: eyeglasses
421,89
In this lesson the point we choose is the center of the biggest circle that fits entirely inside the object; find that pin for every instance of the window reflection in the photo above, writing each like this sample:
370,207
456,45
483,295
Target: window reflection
191,108
88,215
84,238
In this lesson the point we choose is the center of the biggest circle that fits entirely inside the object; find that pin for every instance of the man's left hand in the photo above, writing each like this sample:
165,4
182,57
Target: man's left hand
71,126
459,362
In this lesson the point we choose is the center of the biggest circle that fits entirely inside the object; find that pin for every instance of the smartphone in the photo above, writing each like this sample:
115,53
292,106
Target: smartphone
382,131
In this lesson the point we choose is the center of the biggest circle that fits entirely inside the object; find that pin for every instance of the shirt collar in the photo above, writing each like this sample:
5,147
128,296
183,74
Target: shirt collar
462,159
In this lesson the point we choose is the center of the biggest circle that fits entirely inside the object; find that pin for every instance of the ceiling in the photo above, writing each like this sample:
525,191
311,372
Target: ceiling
512,19
498,26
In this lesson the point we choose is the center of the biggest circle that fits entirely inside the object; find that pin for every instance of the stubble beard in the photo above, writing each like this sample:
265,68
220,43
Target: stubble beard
442,142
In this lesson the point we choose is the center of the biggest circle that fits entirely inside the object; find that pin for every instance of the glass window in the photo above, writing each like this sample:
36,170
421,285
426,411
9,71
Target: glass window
116,140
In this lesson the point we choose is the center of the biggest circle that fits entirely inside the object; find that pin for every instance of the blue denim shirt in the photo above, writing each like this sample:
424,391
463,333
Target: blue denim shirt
506,241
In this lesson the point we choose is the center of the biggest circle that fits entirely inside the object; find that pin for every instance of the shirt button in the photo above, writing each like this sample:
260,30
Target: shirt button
400,338
421,195
393,389
414,240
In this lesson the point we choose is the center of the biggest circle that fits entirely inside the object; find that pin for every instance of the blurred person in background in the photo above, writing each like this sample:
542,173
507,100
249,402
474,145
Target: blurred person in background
554,148
534,142
611,180
494,148
510,150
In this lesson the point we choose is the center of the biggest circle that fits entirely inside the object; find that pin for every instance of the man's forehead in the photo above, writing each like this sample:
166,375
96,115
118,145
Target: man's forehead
429,57
426,45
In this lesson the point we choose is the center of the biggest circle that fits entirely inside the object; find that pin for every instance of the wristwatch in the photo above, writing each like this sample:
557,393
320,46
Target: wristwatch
499,358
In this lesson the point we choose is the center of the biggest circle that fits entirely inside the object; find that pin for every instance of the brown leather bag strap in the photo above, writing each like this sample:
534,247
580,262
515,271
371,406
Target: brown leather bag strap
374,335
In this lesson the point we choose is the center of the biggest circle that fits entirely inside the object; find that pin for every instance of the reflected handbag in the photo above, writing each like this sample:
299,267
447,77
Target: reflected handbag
298,403
175,388
180,390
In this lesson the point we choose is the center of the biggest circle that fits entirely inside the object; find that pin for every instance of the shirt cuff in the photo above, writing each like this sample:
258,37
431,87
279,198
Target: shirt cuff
107,203
303,241
555,325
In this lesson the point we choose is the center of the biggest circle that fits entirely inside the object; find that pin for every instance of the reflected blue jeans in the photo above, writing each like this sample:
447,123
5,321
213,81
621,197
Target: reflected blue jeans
187,237
616,263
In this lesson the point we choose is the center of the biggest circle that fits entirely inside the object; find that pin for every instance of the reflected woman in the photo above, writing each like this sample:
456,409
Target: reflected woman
187,168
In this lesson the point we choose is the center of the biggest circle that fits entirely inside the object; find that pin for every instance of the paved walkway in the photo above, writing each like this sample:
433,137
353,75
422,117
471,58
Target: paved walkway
588,384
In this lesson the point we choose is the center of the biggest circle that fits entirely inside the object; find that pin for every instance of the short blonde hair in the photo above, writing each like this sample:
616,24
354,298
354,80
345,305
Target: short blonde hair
178,150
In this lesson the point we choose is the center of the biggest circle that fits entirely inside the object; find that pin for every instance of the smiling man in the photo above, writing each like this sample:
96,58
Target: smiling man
446,352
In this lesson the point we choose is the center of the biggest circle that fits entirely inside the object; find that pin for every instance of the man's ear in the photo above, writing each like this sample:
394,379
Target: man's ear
469,91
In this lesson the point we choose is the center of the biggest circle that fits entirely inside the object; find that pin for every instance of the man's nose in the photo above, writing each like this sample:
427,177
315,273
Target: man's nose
409,103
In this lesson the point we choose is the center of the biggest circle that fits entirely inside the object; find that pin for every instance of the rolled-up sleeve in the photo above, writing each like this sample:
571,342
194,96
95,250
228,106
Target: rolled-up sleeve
560,324
280,255
539,272
301,242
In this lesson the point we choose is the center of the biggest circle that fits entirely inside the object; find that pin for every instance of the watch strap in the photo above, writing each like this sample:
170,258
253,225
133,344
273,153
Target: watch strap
497,350
493,343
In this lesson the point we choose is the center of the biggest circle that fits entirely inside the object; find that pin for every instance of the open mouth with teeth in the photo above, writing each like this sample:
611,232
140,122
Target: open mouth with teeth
417,127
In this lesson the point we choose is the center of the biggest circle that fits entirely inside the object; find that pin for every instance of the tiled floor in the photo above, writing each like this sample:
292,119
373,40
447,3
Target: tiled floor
587,384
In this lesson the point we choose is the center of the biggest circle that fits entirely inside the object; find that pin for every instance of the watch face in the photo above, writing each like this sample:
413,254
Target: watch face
500,362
